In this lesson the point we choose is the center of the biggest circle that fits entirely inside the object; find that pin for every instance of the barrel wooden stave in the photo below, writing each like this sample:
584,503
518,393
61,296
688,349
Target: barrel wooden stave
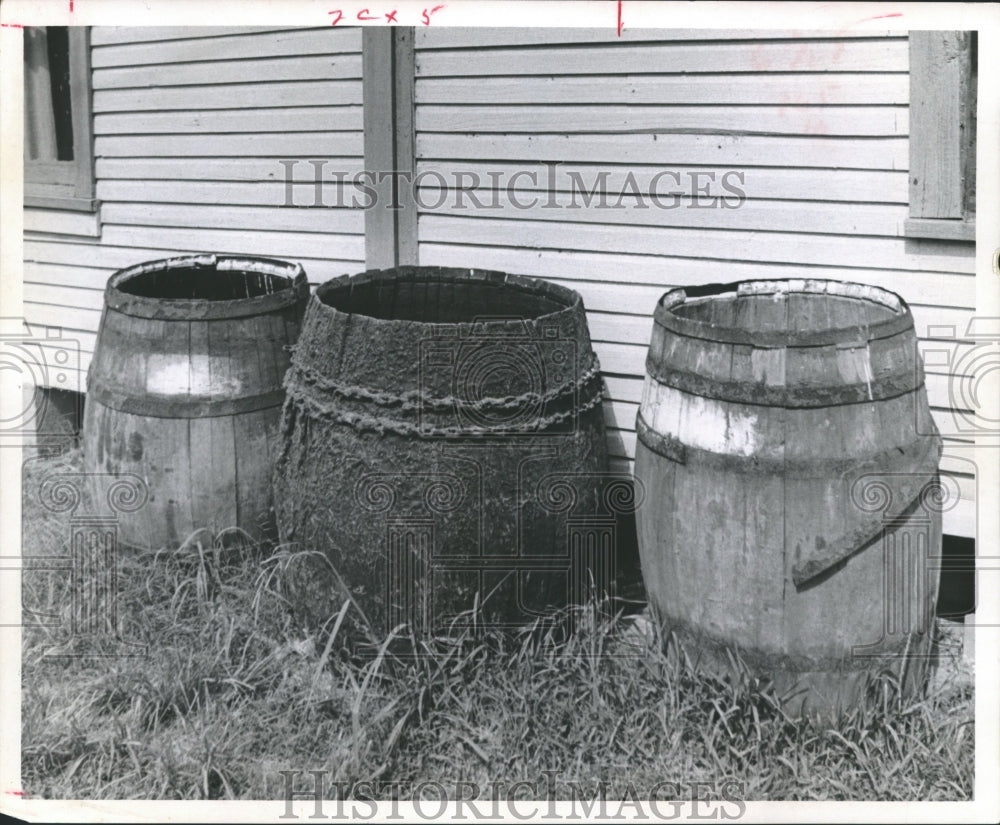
758,543
185,393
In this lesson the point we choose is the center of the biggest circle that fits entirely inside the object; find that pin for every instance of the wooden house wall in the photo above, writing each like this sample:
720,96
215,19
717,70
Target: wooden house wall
190,128
817,125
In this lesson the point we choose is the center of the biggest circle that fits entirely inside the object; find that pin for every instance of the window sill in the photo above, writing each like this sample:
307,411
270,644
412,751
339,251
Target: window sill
62,222
940,229
63,203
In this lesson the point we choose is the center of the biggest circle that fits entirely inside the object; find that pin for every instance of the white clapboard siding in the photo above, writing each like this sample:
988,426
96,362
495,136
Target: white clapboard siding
302,119
665,271
813,217
143,46
138,172
246,70
811,127
703,242
857,185
617,90
877,121
156,193
669,150
210,95
221,144
105,35
818,54
191,127
198,216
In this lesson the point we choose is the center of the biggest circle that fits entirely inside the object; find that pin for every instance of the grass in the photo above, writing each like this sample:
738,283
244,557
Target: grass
236,687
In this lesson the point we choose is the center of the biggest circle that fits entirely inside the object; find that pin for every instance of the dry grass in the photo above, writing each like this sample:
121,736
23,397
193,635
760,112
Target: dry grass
235,689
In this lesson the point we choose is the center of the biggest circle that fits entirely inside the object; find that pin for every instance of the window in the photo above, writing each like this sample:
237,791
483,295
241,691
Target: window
943,77
58,137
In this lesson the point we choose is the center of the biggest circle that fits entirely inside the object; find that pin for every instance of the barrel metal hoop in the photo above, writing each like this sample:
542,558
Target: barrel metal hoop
663,444
790,397
780,340
670,447
161,406
171,309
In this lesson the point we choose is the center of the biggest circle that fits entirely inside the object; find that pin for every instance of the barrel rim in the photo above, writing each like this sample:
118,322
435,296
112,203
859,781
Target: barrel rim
569,299
184,309
900,320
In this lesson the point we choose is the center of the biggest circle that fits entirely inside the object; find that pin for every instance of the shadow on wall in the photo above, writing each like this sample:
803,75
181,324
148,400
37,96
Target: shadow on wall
957,593
54,426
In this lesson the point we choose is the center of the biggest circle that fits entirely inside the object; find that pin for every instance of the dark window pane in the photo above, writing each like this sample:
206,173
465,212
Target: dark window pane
58,37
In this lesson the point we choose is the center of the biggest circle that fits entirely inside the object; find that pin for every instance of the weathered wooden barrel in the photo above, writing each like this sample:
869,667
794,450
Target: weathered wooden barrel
444,446
790,465
185,391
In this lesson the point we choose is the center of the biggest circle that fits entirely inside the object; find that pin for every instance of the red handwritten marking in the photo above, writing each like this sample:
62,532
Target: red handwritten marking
880,17
426,15
70,6
620,22
16,25
338,18
365,14
391,17
12,26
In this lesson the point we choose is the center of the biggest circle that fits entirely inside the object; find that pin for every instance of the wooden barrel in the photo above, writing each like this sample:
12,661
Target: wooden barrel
184,391
786,446
444,446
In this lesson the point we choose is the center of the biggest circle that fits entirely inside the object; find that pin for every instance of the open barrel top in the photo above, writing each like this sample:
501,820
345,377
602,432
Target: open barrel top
784,313
463,298
442,333
184,391
206,287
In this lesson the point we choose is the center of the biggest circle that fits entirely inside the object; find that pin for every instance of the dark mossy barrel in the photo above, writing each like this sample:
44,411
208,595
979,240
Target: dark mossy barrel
185,391
444,447
790,467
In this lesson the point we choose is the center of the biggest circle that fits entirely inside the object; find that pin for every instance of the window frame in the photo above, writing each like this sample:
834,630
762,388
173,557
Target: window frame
942,151
69,184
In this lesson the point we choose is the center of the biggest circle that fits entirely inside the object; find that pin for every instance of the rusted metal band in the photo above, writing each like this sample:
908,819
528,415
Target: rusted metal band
919,455
664,445
901,320
172,406
175,309
792,397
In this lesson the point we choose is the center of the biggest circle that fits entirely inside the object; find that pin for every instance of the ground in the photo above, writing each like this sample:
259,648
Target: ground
227,685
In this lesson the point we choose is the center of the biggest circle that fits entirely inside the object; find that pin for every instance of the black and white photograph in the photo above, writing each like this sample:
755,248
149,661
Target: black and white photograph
499,411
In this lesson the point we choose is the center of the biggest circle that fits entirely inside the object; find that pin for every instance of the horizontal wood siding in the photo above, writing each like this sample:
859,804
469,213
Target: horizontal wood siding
191,125
814,126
